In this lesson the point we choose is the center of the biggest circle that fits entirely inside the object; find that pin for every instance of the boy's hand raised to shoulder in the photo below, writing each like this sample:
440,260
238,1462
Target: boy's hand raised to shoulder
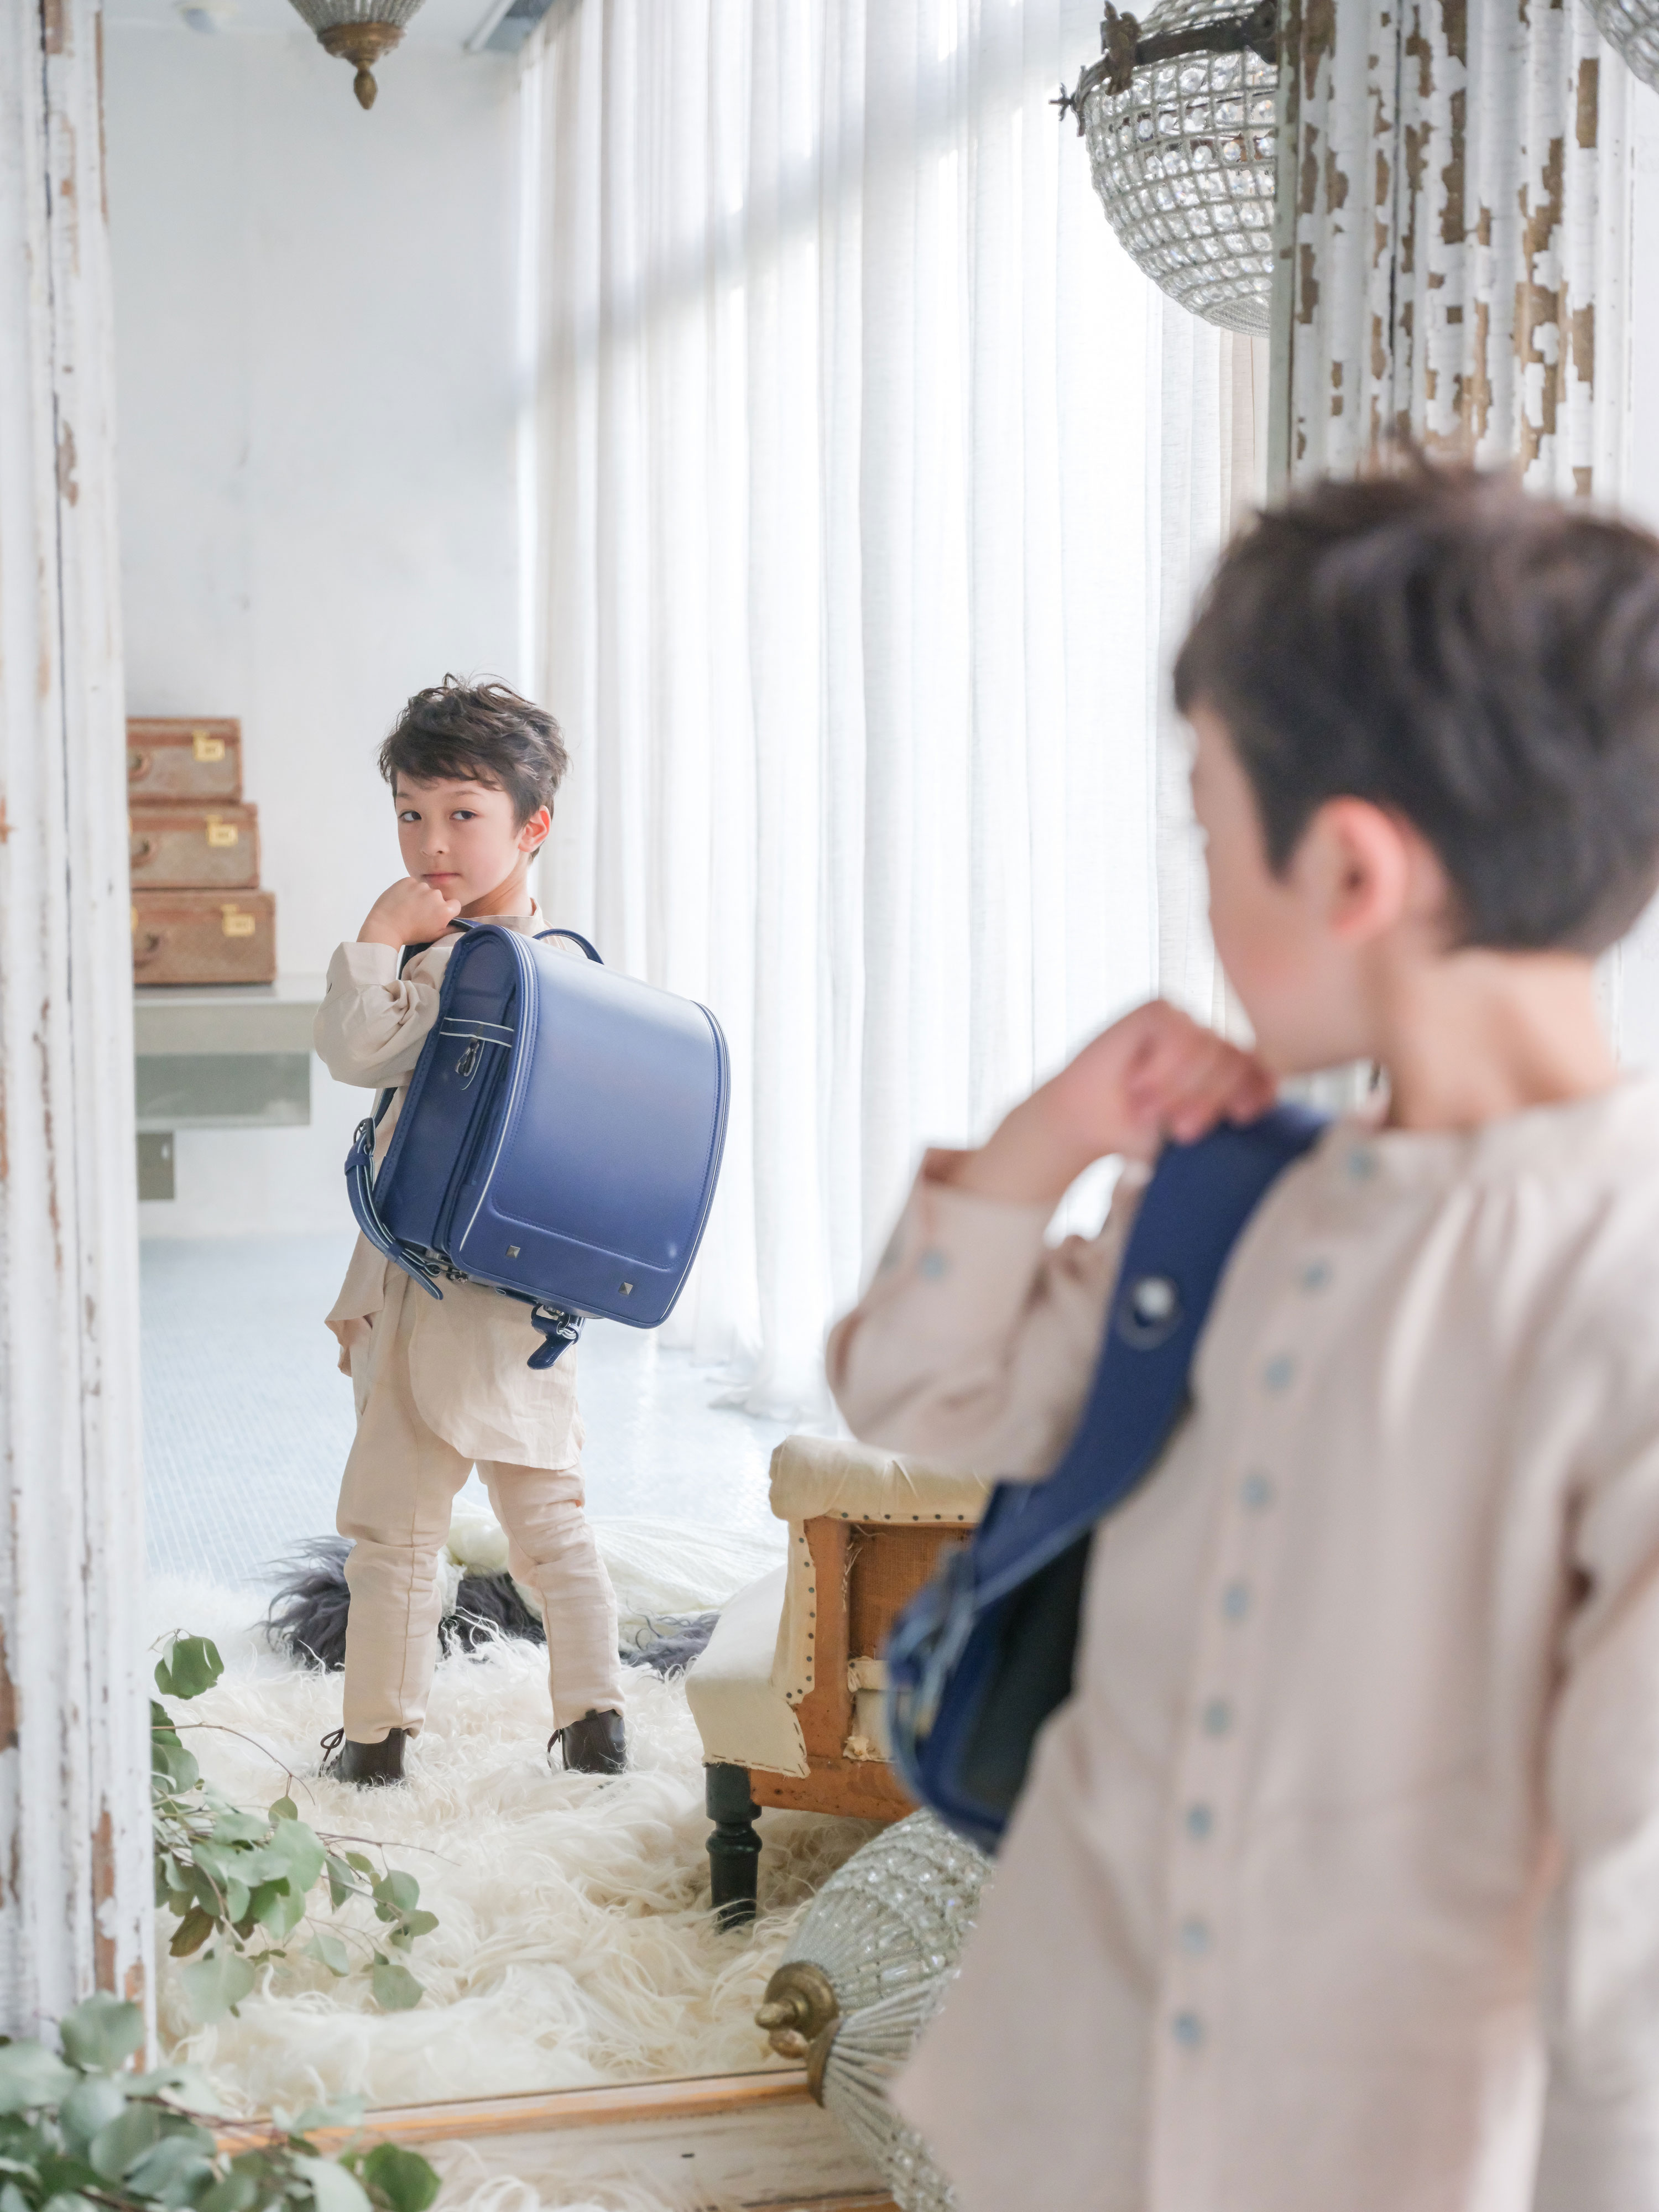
1155,1074
409,912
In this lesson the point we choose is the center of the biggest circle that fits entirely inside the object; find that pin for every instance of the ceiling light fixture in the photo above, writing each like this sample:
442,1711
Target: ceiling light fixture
360,31
1181,116
1631,28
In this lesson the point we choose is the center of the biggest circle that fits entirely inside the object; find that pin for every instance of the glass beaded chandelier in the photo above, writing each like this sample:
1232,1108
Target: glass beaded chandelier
1180,113
861,1978
1631,28
360,31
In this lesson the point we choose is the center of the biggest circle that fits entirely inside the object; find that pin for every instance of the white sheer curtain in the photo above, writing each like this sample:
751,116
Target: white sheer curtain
870,483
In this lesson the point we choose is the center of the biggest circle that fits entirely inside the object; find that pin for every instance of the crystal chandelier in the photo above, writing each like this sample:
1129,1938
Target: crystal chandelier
1181,116
358,31
1631,28
861,1978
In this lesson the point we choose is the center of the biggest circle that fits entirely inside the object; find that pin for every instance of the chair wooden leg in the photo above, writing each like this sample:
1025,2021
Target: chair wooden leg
733,1847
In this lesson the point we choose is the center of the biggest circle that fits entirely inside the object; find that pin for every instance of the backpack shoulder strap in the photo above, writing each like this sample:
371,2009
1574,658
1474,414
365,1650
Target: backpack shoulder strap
409,952
1193,1212
576,937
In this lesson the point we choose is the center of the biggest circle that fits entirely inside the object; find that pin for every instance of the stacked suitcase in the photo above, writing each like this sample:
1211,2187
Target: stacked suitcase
198,916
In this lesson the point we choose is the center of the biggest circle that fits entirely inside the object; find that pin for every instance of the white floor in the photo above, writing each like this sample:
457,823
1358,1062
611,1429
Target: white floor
247,1422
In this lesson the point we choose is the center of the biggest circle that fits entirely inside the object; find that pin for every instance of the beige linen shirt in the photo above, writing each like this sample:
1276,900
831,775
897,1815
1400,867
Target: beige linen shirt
1335,1887
468,1353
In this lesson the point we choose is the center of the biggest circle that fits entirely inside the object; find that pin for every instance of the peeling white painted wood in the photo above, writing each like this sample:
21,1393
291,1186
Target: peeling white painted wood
74,1754
1454,195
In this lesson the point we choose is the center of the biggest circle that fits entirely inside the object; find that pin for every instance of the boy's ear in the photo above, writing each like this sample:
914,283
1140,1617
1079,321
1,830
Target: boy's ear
1369,870
532,833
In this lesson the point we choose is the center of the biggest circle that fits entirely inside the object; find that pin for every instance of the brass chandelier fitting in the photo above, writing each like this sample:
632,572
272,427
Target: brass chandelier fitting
360,31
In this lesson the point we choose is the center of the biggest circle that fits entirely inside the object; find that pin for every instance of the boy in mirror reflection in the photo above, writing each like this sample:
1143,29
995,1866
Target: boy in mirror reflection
1334,1885
441,1388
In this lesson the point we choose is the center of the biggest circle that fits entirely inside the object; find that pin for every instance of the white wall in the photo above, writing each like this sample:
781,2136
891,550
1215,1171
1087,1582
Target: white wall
316,389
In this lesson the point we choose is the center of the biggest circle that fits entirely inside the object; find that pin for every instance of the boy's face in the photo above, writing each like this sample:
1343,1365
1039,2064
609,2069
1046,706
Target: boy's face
464,839
1292,946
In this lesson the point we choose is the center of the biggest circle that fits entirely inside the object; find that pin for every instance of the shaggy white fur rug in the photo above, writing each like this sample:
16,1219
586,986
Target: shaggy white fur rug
573,1944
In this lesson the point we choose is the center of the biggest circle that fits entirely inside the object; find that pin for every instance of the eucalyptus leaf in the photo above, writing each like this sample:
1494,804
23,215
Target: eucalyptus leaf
299,1849
277,1908
399,1891
234,2191
170,1761
285,1809
122,2140
174,2171
332,2189
214,1986
192,1932
90,2105
231,1826
210,1893
337,2112
103,2032
31,2076
329,1951
190,1665
403,2177
12,2198
67,2176
185,2086
395,1988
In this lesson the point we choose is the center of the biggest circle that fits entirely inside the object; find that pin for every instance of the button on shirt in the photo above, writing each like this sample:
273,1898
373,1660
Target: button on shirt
1336,1882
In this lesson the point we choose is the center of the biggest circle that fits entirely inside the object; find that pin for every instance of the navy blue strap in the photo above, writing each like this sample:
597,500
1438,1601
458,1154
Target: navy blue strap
1190,1219
360,1189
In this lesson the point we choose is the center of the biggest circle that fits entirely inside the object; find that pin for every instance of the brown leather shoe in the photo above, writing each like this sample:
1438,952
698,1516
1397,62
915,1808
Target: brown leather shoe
368,1765
596,1744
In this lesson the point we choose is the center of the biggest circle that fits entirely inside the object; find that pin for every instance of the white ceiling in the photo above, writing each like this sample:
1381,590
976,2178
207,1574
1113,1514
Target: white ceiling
438,23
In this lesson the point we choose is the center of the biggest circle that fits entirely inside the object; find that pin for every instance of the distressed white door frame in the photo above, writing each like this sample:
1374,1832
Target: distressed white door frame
74,1851
1454,216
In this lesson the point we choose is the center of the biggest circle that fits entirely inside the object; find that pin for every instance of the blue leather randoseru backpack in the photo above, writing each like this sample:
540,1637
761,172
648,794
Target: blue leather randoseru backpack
560,1138
983,1655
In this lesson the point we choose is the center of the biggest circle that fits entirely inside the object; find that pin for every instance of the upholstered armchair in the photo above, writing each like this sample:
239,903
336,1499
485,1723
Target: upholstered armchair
787,1697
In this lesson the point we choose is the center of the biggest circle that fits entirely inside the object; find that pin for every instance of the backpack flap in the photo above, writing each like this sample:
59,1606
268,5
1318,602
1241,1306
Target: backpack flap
592,1192
984,1655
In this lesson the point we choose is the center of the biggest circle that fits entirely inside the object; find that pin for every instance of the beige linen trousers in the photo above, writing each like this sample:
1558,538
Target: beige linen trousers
442,1386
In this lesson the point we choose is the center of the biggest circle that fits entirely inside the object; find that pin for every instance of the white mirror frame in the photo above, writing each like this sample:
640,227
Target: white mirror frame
74,1875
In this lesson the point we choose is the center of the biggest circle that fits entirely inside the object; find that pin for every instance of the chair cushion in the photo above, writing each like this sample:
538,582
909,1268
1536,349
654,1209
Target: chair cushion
812,1475
742,1719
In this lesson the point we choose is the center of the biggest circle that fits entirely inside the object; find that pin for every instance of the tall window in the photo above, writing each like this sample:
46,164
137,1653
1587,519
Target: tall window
871,484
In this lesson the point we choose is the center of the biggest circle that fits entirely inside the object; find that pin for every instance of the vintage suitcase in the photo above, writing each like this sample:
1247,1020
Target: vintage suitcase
195,844
192,758
204,937
560,1138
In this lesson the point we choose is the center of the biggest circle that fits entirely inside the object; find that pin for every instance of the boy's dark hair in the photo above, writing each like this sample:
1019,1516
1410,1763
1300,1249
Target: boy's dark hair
1481,661
478,733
